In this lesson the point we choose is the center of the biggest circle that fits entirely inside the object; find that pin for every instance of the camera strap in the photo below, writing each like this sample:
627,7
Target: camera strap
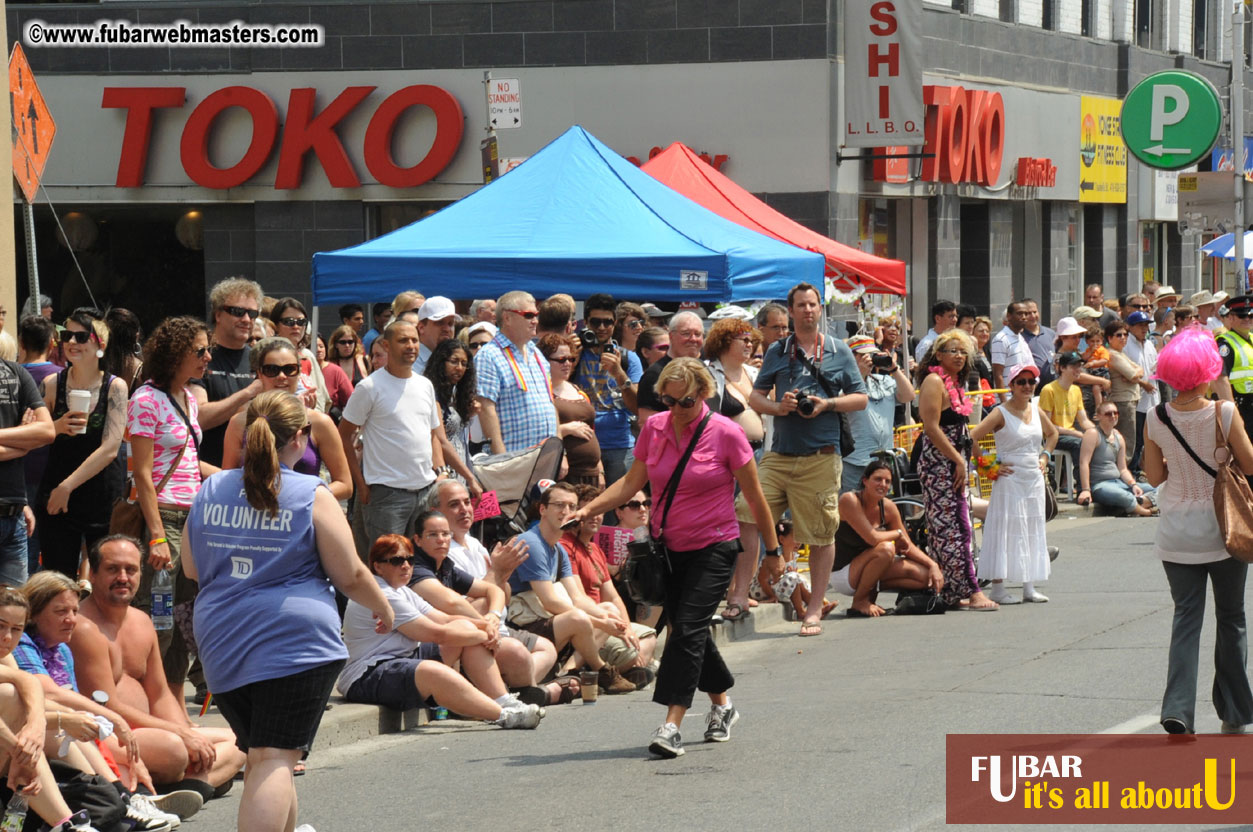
808,364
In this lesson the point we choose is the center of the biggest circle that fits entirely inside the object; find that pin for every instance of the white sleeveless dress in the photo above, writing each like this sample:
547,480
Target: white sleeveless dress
1014,546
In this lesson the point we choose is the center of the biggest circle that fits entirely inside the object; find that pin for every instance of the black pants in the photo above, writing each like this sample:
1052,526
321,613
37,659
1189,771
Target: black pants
691,661
61,539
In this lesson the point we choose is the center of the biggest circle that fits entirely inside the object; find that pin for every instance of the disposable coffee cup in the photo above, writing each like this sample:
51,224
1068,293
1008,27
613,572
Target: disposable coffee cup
78,401
589,686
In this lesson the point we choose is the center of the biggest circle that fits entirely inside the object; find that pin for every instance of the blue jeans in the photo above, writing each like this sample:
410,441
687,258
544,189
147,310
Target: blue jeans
13,554
1231,695
617,462
1117,494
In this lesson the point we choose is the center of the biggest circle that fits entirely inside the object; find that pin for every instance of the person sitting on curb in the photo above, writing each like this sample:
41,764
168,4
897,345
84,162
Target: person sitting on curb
413,662
632,652
872,549
548,598
1103,473
524,658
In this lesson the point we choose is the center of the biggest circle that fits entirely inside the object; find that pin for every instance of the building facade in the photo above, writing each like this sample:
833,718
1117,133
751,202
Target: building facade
176,166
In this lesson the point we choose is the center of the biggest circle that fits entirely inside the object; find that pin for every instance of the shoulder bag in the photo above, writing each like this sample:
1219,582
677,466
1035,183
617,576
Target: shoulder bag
1233,500
647,569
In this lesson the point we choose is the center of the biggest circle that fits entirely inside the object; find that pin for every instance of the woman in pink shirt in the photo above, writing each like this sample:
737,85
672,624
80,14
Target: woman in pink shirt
699,529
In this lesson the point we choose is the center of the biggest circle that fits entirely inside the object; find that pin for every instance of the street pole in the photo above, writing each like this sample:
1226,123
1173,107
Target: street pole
32,265
1237,137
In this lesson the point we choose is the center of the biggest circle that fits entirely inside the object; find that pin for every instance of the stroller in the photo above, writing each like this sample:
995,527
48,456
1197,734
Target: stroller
514,477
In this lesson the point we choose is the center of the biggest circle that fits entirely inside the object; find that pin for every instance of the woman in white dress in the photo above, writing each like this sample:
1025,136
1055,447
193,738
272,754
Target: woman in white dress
1014,546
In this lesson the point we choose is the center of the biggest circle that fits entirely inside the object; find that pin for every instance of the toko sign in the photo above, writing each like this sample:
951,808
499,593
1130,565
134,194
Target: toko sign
882,73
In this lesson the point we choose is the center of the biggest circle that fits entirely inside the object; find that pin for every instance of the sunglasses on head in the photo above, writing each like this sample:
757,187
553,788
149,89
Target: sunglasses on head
274,370
637,504
398,560
686,401
76,337
298,323
242,312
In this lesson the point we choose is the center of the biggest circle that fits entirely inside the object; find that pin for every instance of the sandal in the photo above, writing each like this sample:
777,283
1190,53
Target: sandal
734,612
567,690
811,628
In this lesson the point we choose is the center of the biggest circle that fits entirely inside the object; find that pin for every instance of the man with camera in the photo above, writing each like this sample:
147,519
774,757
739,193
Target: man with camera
814,379
886,385
608,374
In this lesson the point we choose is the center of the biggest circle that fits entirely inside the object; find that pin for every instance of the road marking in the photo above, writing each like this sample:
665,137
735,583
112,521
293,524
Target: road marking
1134,725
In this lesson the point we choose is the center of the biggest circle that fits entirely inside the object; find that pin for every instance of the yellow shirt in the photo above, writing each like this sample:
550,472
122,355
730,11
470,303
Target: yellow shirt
1062,406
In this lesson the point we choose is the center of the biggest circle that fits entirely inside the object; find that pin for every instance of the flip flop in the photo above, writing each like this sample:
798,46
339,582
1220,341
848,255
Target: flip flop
811,629
853,613
982,607
734,612
828,608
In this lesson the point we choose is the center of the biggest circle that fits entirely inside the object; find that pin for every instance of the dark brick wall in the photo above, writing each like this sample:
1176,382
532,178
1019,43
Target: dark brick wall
429,35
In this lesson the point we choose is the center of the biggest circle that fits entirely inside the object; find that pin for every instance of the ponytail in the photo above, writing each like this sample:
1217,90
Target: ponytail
273,419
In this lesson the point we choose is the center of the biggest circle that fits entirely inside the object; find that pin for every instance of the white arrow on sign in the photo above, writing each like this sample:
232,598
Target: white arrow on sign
1159,151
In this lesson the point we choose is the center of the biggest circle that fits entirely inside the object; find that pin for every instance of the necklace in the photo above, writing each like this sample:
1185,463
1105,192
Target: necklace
1178,403
960,404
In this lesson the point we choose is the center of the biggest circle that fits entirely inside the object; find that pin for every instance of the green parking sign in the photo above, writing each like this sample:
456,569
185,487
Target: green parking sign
1171,119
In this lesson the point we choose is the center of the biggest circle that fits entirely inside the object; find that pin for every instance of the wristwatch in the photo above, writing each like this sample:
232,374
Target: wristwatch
776,552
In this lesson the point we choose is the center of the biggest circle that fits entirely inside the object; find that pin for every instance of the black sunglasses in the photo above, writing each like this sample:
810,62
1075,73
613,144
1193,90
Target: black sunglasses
598,323
686,401
76,337
273,370
637,504
240,312
346,342
1025,382
305,429
294,322
201,352
399,560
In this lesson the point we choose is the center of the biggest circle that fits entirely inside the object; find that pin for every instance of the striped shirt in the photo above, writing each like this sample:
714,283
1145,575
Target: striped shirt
518,382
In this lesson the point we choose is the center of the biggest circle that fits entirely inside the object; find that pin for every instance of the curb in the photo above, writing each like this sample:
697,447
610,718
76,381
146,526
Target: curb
346,723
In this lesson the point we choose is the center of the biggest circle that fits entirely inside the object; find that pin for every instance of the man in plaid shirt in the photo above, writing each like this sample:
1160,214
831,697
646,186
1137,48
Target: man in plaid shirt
514,390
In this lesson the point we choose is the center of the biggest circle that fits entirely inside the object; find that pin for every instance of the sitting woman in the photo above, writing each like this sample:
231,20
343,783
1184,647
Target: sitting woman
1103,474
872,549
412,663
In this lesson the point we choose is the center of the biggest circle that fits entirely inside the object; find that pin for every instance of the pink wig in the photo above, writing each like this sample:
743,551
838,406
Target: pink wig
1190,359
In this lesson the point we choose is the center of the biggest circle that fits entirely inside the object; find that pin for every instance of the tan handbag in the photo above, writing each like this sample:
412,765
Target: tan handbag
526,608
1233,499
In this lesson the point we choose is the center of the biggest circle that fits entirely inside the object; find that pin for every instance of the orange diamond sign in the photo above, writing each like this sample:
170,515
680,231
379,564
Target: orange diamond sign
33,127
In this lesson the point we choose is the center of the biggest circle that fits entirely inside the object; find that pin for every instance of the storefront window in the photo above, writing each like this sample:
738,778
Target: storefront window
875,229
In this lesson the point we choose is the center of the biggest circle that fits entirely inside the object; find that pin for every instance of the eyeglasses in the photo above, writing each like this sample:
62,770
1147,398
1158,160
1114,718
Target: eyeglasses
599,323
274,370
399,560
1139,306
569,359
474,347
457,362
298,323
671,401
567,506
1113,414
690,334
346,342
530,316
1122,334
437,535
242,311
1029,381
637,504
76,337
747,339
201,352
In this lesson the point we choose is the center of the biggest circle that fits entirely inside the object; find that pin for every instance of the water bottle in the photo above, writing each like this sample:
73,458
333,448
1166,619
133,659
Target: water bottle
14,814
162,601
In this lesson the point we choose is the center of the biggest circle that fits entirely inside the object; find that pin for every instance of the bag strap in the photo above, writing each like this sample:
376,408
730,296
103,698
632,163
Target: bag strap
1165,420
190,433
673,484
170,471
808,364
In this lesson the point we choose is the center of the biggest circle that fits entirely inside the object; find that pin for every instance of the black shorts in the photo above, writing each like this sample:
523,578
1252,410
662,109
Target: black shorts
391,682
540,627
279,713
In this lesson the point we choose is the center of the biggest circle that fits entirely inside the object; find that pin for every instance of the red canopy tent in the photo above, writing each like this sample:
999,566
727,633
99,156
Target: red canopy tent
681,169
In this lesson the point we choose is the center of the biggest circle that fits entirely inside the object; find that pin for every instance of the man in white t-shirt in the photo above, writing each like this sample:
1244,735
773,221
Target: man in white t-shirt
1140,349
524,658
1009,348
396,411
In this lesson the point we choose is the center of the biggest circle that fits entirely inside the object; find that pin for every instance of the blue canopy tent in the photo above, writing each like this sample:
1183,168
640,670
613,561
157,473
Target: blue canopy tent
577,218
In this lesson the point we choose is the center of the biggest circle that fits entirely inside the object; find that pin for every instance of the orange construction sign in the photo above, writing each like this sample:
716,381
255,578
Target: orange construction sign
33,127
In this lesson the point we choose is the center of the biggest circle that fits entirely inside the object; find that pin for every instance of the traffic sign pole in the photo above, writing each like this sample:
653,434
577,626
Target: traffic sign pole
32,263
1237,138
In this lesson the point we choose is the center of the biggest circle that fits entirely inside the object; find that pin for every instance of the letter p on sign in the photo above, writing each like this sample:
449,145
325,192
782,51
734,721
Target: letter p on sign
1160,117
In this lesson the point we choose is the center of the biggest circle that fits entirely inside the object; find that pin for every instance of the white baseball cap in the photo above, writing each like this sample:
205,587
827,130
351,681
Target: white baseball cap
436,308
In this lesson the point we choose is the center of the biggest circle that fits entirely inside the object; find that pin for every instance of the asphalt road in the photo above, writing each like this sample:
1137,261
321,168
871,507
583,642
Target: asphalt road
843,731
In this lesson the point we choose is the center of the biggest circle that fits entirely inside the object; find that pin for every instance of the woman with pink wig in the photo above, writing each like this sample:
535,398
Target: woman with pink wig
1179,455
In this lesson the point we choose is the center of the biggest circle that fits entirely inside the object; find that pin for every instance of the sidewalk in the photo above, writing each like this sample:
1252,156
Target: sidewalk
345,723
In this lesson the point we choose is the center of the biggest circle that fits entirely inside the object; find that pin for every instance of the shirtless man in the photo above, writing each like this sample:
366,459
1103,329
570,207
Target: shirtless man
115,650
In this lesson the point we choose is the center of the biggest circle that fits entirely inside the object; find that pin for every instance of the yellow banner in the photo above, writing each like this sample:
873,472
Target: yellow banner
1102,154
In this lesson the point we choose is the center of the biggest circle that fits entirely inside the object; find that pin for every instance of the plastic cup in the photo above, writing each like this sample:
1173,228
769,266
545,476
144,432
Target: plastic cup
589,686
78,401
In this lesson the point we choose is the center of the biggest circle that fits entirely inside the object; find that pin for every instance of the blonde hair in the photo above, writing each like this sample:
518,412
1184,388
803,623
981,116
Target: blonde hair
273,419
224,290
405,300
8,347
44,586
691,373
512,302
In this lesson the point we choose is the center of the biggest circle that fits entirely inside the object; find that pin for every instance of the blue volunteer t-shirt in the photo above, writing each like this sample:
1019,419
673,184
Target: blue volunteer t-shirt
546,562
265,608
780,371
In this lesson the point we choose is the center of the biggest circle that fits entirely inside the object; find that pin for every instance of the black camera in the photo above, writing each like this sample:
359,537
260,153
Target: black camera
590,342
804,404
882,362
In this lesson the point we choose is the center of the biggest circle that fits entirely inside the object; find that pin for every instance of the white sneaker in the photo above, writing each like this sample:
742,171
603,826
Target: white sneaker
140,805
1000,595
182,802
304,827
1036,598
525,716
